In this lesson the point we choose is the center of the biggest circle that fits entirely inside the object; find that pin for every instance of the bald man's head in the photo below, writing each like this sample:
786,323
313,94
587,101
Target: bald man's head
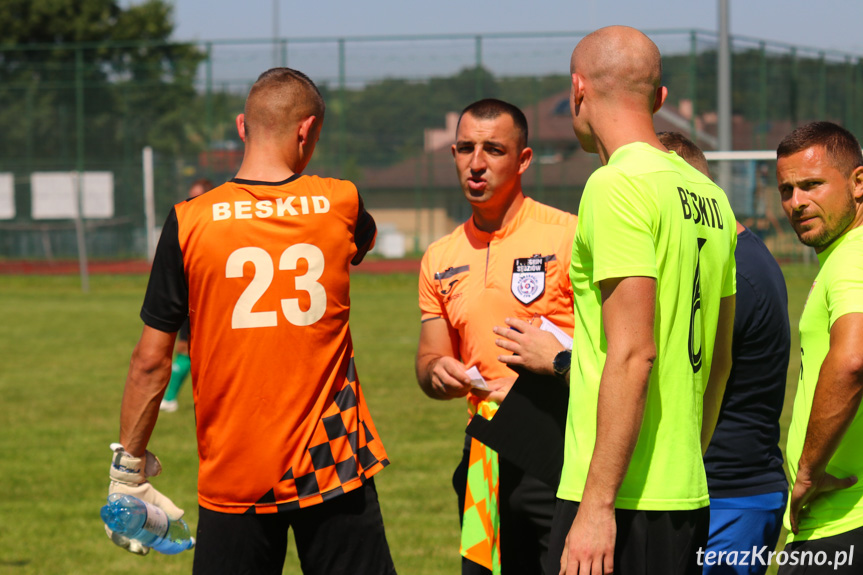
279,100
619,61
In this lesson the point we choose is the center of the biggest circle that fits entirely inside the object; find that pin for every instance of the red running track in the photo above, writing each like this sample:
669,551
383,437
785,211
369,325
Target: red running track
66,267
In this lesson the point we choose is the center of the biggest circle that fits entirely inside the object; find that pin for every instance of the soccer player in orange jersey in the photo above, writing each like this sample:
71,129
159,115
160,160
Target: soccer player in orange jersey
509,260
260,265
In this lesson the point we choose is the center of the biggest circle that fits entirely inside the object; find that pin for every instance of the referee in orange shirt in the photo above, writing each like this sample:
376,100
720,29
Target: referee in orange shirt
509,260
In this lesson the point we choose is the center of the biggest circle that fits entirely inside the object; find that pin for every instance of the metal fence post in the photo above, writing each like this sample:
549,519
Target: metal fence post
822,86
340,147
478,47
79,168
208,108
854,73
693,82
793,91
848,112
762,101
539,193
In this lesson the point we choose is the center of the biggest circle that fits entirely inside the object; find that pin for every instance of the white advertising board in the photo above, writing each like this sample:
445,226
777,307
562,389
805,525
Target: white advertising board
53,195
7,196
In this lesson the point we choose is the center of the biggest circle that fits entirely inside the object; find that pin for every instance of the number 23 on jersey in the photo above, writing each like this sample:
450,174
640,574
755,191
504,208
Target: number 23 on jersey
243,317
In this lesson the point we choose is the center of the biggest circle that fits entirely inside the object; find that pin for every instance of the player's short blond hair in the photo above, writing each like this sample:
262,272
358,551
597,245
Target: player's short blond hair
279,99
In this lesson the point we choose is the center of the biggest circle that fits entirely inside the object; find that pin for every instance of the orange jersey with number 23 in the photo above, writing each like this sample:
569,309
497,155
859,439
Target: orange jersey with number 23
281,419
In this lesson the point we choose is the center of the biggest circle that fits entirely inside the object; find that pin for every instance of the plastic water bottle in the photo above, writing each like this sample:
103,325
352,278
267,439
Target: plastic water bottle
136,519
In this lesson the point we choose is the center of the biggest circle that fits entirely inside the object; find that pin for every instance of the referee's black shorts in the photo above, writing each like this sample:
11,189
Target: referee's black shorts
341,536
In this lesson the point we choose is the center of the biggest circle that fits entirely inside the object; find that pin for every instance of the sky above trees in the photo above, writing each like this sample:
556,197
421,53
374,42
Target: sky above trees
827,24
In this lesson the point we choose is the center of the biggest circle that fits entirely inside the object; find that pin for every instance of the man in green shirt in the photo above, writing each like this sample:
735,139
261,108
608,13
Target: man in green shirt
653,277
820,176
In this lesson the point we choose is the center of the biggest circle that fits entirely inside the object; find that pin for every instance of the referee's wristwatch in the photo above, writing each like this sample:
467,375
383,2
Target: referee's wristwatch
561,363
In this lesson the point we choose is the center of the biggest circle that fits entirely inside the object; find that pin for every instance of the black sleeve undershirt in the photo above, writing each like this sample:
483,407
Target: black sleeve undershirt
166,303
364,235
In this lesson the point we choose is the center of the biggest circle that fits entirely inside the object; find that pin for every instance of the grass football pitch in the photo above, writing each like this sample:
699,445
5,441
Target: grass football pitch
64,358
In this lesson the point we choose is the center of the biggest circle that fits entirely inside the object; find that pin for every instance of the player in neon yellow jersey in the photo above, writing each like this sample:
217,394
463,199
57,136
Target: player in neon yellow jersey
653,277
820,176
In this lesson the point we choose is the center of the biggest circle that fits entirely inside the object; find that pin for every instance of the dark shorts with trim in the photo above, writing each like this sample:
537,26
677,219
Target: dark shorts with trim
344,535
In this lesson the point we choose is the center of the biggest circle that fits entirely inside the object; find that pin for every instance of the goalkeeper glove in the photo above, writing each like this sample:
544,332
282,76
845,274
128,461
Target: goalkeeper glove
129,476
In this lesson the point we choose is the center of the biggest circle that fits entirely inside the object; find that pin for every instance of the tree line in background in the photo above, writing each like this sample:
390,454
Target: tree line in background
137,89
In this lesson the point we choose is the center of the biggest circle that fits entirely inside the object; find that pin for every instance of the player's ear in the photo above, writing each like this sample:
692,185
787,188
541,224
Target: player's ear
241,126
661,95
524,158
857,182
307,130
576,92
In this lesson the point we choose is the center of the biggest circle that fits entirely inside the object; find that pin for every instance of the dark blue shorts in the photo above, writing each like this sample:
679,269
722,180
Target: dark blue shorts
744,530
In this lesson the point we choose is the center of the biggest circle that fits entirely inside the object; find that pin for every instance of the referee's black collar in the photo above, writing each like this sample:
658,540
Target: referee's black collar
258,183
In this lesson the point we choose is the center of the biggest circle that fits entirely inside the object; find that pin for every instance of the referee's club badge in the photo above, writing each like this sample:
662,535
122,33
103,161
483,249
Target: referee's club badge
528,278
